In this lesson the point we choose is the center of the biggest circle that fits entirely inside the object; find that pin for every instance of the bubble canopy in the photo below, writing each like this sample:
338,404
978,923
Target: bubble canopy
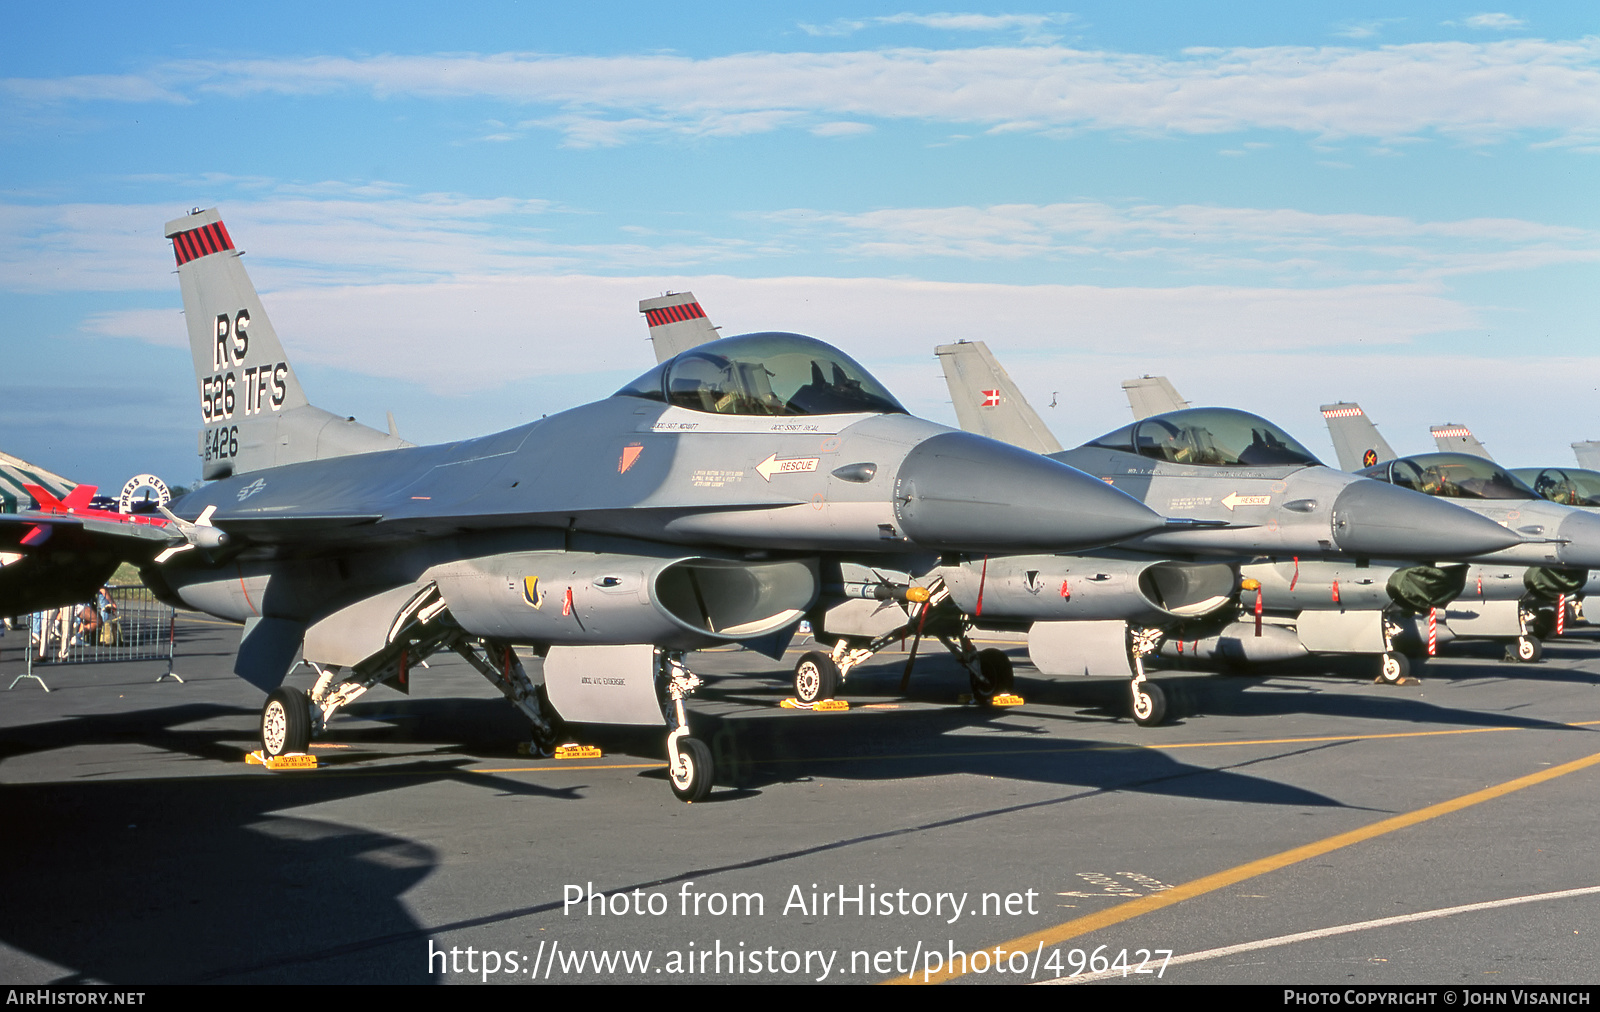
1209,437
765,374
1569,486
1452,476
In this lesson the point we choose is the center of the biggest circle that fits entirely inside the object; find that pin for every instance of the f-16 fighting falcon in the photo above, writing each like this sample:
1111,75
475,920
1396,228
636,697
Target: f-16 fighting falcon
1308,542
710,501
1253,492
1516,594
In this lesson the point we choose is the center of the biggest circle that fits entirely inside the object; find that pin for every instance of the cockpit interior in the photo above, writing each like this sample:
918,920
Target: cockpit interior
1451,476
1569,486
1209,437
771,374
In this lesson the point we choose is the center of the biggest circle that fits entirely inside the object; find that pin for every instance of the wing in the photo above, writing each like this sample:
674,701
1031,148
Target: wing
47,561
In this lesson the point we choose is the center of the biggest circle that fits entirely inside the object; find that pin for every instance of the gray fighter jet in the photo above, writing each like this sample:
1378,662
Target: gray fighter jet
1310,542
1511,594
710,501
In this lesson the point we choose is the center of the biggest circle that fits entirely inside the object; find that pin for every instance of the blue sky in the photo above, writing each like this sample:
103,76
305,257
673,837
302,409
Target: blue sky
452,212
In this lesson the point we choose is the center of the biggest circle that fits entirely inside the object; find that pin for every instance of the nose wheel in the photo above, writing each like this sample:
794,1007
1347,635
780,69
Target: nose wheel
1149,704
1525,650
691,770
1393,668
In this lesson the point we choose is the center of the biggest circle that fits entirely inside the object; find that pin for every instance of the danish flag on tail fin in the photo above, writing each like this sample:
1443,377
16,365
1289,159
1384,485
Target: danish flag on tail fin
988,402
677,323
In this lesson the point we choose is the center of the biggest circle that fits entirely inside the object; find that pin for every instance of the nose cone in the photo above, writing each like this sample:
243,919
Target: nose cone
961,492
1581,531
1373,518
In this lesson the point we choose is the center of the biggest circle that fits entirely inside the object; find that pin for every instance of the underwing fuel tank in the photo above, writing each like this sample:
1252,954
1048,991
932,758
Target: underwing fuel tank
603,598
1055,588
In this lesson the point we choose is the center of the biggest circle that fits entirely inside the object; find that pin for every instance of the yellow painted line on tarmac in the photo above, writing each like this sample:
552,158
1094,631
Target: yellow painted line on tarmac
1251,869
564,768
1159,746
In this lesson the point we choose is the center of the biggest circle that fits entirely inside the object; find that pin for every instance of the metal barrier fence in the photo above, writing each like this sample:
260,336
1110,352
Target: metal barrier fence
122,623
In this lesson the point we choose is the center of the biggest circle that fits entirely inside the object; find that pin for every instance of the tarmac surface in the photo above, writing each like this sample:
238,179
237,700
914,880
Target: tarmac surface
910,836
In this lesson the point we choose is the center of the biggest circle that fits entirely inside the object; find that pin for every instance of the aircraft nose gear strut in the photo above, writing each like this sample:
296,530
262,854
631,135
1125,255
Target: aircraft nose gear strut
691,768
1149,700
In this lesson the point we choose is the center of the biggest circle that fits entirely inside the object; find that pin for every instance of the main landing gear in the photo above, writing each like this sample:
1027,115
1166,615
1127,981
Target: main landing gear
818,675
290,719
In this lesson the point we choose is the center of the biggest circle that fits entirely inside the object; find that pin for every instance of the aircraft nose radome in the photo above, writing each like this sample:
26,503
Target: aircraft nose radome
1373,518
959,491
1581,531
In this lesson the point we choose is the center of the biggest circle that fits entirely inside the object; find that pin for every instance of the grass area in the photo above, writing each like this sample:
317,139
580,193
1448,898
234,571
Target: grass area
126,575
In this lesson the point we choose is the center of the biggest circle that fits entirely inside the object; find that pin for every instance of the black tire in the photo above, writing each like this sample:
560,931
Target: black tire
816,677
1150,705
691,780
993,677
1393,668
285,722
1525,650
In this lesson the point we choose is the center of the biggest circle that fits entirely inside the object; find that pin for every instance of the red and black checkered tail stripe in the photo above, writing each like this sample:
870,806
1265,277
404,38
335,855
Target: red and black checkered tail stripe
198,242
674,314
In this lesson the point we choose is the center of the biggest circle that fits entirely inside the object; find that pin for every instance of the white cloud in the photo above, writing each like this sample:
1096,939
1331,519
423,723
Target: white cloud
1495,21
1282,241
1477,91
1031,25
841,128
474,334
324,234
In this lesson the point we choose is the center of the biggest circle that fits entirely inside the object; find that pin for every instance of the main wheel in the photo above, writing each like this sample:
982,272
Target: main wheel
1525,650
1149,704
816,677
1393,668
285,722
691,770
993,677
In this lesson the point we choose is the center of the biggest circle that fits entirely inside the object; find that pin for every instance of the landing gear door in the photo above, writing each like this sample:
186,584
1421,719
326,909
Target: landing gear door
604,685
1096,649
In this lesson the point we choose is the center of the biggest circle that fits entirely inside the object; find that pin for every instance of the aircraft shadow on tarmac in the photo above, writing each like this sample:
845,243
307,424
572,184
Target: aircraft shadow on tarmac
197,878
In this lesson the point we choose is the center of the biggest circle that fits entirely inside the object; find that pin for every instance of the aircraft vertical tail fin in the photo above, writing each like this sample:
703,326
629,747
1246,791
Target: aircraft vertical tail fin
253,412
1453,438
1355,438
988,402
1152,395
1588,454
677,323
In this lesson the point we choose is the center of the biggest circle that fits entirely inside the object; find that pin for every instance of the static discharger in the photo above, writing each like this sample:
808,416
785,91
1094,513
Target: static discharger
820,706
572,750
287,761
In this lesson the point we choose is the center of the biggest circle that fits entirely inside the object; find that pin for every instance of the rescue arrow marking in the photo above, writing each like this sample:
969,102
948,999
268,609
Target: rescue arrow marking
789,465
1233,499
